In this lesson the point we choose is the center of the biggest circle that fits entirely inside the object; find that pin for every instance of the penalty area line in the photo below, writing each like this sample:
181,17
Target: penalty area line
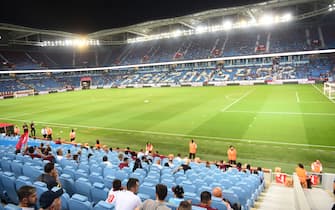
269,142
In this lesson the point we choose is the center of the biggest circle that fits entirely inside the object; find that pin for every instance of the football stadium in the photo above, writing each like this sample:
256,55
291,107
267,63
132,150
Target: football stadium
258,77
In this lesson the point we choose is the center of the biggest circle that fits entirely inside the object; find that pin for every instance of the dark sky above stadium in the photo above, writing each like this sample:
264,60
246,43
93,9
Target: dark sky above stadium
88,16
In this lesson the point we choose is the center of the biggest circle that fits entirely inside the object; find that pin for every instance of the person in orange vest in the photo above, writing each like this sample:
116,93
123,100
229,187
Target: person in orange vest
49,133
16,131
72,135
232,154
302,174
148,148
193,149
97,144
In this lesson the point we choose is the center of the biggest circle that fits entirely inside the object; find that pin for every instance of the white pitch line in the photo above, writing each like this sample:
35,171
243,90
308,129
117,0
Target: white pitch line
237,100
297,96
285,113
268,141
323,94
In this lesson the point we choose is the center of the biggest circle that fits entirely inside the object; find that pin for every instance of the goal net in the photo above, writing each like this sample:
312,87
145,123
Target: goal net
329,90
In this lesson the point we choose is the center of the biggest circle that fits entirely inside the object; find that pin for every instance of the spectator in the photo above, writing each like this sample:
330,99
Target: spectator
59,156
117,188
72,135
140,154
170,161
316,166
128,200
178,195
44,132
125,163
148,148
302,175
192,149
185,166
16,131
49,133
206,200
184,205
51,200
137,164
232,155
217,192
32,129
97,144
158,164
27,197
105,161
159,204
50,176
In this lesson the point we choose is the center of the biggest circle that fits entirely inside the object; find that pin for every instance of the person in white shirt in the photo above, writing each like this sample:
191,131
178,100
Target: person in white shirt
128,200
105,161
113,193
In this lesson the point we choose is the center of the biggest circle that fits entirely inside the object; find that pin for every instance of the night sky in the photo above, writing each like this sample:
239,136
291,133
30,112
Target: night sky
92,15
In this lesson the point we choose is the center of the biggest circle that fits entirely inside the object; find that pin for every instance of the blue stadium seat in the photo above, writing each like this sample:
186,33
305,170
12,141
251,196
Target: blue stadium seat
83,187
103,205
148,189
8,182
11,206
95,177
79,202
67,183
218,203
98,192
109,171
41,187
17,167
22,181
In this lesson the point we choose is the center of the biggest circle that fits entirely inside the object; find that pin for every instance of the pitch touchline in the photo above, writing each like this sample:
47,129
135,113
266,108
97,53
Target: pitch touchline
177,134
284,113
322,93
237,100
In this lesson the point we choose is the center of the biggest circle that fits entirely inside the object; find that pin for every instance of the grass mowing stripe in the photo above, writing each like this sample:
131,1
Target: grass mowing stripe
272,142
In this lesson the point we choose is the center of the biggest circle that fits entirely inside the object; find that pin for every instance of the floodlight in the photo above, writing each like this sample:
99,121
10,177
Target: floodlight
287,17
201,29
176,33
227,25
266,19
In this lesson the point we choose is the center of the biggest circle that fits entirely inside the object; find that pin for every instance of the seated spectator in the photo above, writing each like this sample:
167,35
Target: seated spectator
137,164
105,161
128,200
239,166
185,166
140,153
184,205
50,176
178,195
158,164
27,197
206,200
159,204
117,188
51,200
125,163
59,156
170,162
217,192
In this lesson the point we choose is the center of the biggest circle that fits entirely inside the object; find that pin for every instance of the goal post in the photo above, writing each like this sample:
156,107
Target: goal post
329,90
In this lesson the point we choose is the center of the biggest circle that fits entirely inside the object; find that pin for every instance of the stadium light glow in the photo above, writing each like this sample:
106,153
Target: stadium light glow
71,43
266,20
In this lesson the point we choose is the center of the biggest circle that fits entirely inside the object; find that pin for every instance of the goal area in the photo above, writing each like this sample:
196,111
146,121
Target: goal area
329,90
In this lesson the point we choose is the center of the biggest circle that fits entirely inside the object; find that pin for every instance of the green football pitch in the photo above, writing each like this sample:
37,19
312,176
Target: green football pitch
269,125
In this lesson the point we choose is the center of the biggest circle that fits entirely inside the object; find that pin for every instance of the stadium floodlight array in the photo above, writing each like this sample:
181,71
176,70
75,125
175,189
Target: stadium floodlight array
329,90
71,43
264,20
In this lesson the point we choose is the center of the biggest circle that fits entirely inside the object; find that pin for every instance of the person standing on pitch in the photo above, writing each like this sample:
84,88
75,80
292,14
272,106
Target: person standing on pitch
72,135
32,129
193,149
232,154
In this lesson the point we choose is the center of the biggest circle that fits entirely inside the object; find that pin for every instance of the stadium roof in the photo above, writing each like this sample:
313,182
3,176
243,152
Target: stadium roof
302,9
